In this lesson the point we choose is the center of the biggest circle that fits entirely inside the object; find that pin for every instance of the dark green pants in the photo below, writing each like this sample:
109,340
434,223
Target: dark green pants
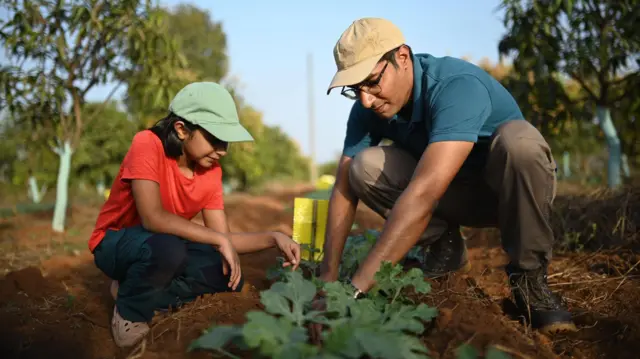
158,271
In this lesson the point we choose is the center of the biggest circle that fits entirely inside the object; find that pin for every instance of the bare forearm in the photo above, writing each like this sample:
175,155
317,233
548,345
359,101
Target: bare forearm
169,223
339,221
249,242
403,228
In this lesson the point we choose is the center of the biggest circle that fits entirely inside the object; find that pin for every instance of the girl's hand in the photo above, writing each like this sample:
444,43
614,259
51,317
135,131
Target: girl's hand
290,248
230,263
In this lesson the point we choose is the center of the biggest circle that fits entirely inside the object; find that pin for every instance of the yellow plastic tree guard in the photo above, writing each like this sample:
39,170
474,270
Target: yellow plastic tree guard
309,223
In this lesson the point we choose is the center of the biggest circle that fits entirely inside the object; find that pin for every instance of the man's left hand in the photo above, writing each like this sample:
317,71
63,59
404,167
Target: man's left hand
290,248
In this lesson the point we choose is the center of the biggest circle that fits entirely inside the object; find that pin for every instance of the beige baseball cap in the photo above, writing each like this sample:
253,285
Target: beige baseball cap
360,47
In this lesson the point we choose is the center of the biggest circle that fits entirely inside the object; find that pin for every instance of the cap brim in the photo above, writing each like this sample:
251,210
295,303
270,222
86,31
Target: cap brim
229,132
354,74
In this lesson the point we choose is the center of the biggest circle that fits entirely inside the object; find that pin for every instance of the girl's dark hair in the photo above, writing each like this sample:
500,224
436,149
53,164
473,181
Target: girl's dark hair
165,130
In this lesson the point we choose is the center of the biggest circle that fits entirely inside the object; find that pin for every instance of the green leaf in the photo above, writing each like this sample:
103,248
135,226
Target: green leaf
265,332
409,318
466,351
297,290
495,353
390,280
390,345
337,298
342,342
275,303
216,338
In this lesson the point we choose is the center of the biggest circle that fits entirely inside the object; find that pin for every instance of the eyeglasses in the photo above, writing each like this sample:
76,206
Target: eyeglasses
372,87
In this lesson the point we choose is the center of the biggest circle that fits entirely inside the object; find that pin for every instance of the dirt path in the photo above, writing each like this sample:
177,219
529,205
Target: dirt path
55,303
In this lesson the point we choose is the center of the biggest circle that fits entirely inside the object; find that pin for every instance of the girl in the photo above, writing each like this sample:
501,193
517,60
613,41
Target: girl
144,238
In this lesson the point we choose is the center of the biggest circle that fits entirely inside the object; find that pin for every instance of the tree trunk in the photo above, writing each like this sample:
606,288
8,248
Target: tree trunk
34,193
62,187
613,142
566,164
100,187
625,166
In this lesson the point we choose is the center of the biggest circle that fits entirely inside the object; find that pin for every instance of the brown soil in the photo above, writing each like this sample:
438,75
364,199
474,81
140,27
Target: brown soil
55,303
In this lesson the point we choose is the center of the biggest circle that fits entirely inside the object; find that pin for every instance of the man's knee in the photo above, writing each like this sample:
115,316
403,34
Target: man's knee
168,257
365,169
382,167
524,148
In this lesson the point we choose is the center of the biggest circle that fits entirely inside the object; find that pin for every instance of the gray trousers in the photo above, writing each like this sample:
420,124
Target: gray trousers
514,193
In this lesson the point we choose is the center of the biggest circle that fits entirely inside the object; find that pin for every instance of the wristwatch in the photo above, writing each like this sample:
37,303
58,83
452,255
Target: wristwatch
357,293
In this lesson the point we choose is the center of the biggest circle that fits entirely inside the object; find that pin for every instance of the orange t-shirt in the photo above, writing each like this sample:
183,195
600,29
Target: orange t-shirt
180,195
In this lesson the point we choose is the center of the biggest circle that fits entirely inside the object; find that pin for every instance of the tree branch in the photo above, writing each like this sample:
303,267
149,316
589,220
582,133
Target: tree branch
77,112
63,119
102,106
578,78
629,77
91,51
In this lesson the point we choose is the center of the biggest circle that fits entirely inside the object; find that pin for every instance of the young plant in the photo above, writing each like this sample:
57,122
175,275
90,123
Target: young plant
466,351
383,325
355,251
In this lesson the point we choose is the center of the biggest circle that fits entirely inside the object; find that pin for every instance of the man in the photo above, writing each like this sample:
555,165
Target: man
462,154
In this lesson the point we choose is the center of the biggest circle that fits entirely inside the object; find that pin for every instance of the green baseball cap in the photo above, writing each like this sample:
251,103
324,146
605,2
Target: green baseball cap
210,106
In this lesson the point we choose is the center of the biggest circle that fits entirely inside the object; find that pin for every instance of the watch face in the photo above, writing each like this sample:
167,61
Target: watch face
357,293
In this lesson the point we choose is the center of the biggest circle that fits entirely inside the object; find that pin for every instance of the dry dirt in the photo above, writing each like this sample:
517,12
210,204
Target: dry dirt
55,303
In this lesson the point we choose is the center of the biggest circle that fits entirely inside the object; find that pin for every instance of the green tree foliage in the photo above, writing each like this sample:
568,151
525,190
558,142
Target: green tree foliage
281,156
204,45
60,51
97,158
272,155
596,43
104,145
201,43
626,117
565,126
328,168
201,39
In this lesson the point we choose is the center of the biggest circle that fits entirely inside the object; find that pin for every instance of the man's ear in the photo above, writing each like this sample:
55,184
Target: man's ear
404,57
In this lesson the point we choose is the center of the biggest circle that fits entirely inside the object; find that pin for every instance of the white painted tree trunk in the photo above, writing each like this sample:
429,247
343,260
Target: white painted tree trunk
566,164
613,142
62,187
100,187
625,166
36,194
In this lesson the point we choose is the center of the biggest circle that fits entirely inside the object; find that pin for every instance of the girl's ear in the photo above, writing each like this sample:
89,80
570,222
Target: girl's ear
181,130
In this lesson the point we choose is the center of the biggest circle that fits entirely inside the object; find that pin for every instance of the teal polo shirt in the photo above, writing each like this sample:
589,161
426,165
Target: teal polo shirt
453,100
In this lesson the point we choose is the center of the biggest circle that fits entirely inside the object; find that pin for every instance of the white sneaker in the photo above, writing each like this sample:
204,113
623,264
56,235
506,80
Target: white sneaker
125,332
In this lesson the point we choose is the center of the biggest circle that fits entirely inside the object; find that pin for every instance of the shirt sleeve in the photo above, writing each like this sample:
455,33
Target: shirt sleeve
216,201
359,135
460,110
144,157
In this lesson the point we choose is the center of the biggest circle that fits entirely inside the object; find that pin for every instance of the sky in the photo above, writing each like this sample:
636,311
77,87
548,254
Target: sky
269,41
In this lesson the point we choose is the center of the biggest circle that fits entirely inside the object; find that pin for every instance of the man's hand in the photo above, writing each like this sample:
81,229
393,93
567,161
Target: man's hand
290,248
413,209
